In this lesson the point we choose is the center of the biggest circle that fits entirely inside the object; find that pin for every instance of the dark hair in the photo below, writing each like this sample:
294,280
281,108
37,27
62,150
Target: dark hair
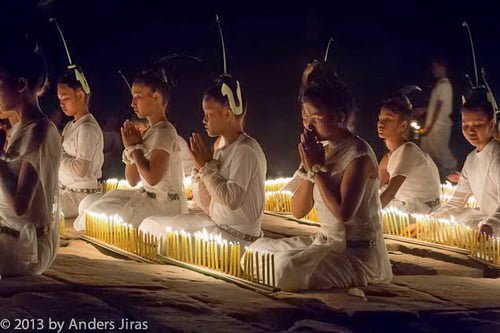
69,79
331,94
156,79
23,59
215,93
477,101
400,105
440,60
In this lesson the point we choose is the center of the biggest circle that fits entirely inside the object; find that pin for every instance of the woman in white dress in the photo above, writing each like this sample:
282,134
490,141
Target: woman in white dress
339,177
409,178
228,184
29,215
480,174
151,157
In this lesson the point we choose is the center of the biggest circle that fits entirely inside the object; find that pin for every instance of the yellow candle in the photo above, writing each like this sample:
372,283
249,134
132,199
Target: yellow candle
257,266
272,270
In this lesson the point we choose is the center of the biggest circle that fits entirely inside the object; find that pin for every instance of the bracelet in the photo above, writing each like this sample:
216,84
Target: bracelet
315,169
130,149
301,173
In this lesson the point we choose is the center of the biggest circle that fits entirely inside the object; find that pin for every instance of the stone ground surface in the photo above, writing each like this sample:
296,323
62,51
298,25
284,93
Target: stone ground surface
433,291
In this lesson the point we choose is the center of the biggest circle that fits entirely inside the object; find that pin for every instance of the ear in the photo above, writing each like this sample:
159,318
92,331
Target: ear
80,94
404,125
157,97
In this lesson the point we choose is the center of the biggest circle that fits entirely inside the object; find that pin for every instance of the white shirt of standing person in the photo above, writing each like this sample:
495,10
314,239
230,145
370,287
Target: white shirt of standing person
443,92
83,155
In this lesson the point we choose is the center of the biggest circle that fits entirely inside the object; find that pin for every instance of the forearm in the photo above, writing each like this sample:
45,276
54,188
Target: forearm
201,196
132,175
302,199
8,183
75,166
220,189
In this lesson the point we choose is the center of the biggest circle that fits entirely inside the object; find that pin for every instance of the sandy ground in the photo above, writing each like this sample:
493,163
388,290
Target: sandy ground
433,291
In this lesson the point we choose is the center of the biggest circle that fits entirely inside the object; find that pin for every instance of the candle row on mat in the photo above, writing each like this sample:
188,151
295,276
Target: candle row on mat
201,248
447,190
114,231
441,231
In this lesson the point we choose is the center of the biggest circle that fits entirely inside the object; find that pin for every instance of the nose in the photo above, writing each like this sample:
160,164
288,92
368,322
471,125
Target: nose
133,103
205,119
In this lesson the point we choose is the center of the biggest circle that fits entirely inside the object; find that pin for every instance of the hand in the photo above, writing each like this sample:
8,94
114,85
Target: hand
310,150
200,152
454,177
130,134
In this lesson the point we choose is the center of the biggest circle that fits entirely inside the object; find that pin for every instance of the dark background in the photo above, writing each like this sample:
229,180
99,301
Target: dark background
379,47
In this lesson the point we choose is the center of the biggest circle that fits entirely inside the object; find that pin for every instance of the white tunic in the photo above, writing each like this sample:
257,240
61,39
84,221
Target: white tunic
135,205
38,143
323,261
481,178
422,178
238,177
82,140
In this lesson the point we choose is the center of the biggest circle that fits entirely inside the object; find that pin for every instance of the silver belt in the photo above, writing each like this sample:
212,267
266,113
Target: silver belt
81,190
237,234
171,196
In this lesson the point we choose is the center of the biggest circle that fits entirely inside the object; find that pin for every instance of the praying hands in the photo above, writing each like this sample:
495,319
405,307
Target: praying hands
131,136
200,152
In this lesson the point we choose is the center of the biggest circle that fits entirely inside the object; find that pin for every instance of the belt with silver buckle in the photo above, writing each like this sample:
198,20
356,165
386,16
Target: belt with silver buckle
433,203
360,244
81,190
171,196
237,234
14,233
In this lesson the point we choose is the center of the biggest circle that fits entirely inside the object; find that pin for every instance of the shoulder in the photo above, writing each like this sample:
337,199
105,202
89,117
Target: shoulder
162,129
250,146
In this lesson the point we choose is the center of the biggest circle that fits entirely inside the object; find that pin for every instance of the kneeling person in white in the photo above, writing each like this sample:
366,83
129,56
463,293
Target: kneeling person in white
228,185
409,178
481,171
83,145
152,157
29,224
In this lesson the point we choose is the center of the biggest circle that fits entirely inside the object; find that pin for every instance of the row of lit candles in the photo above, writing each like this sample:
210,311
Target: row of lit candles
441,231
201,248
114,231
447,191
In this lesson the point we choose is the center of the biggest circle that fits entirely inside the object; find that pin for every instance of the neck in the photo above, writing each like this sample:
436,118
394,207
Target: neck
394,143
81,113
232,135
156,118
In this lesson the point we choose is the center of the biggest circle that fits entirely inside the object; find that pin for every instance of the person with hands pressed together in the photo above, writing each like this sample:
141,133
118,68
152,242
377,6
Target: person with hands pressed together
151,157
83,145
29,164
338,177
228,185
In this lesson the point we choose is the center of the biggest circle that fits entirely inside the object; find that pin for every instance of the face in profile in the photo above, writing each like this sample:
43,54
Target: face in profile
322,122
71,100
144,100
216,116
390,124
476,127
